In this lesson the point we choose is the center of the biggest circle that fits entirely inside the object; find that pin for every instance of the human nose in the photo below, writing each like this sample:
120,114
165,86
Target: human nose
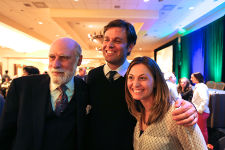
136,83
56,63
110,44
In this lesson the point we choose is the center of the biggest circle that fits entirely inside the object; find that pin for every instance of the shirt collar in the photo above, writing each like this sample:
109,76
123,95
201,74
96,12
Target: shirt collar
121,70
69,85
197,85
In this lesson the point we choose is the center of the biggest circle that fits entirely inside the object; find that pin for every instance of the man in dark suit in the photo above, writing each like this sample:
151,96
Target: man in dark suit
47,112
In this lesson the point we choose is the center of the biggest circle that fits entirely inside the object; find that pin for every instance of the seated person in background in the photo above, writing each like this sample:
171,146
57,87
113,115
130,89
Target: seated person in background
184,89
82,73
30,70
148,100
201,101
171,83
5,86
5,76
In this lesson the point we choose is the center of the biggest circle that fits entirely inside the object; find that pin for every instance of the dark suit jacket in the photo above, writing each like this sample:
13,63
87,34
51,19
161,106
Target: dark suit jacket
23,119
83,78
111,125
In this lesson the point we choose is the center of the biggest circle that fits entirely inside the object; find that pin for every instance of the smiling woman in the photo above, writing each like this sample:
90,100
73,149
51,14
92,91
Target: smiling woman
147,96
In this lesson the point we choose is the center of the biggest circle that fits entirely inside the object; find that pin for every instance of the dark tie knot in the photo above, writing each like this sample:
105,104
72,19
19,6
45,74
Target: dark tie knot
62,88
111,75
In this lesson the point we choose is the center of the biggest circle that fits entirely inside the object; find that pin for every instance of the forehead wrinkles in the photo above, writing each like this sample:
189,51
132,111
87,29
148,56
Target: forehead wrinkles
62,52
65,47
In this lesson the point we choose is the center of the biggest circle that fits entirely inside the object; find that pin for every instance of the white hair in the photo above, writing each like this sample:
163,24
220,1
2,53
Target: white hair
168,75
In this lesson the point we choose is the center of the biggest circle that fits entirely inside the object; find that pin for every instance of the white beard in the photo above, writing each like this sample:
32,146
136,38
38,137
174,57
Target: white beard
64,78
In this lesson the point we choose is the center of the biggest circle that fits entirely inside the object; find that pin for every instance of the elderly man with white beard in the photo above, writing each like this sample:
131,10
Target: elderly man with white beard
47,112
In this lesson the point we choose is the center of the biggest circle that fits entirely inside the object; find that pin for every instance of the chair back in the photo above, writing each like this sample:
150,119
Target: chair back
220,85
221,143
211,84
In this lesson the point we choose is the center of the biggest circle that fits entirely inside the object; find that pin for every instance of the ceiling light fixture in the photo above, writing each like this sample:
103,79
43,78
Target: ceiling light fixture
98,49
191,8
117,6
40,4
96,37
39,22
27,4
90,26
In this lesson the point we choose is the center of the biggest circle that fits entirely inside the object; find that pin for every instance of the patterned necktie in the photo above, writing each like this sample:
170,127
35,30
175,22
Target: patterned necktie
111,75
62,100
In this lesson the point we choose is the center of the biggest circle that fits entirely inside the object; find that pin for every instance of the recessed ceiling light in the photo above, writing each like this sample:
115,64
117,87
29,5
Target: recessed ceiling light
27,4
76,0
90,26
57,35
40,5
168,7
117,6
191,8
39,22
140,49
146,0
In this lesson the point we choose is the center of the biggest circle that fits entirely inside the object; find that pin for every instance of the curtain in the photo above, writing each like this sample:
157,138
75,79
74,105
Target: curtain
203,50
192,57
214,34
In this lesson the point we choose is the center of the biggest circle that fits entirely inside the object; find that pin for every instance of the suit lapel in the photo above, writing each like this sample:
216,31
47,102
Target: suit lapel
80,97
77,97
40,99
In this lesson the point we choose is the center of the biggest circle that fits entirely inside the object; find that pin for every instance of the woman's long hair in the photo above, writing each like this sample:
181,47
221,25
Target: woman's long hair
161,101
186,88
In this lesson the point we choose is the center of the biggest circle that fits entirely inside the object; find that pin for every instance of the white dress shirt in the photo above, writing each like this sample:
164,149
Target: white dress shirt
201,98
55,92
121,71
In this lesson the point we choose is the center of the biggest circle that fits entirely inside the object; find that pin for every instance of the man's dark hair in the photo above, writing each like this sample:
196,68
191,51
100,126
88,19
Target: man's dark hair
130,31
31,70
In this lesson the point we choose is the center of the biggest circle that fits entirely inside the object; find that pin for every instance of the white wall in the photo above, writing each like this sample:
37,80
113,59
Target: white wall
9,57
